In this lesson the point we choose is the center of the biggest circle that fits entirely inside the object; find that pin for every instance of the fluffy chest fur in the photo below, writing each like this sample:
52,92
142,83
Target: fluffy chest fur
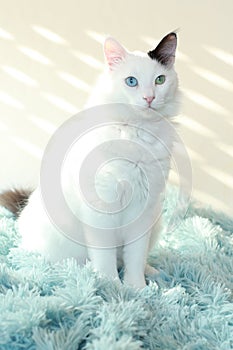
126,173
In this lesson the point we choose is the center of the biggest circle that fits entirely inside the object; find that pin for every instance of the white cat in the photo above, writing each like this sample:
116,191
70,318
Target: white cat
148,81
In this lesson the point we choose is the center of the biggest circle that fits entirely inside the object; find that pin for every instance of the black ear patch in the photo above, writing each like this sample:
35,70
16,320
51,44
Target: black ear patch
164,53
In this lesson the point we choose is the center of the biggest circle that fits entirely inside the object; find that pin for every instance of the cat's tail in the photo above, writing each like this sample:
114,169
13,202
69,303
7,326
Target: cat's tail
15,200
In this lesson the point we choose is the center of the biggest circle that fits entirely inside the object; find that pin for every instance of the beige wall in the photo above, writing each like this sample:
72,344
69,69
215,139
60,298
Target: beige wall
45,78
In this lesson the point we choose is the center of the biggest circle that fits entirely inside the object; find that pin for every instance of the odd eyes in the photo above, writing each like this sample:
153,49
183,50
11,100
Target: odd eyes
160,80
131,81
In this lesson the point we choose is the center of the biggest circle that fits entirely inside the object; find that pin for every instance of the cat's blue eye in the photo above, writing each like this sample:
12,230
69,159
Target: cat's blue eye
131,81
160,80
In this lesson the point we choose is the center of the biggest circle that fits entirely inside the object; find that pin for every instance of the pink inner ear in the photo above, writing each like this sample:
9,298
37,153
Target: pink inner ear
114,52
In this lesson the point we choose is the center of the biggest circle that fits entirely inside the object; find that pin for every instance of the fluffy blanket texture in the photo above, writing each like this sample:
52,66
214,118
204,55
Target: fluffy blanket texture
65,307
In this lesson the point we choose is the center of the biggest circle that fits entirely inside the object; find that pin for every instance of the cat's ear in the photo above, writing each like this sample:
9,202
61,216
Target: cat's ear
114,52
165,51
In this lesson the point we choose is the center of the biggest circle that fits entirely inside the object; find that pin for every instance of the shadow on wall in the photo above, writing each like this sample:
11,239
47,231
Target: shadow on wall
47,80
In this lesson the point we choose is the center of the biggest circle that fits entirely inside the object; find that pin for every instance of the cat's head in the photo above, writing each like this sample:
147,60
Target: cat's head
148,80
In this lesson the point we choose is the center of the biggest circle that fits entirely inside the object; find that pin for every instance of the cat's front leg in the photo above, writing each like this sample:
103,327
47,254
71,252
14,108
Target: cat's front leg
155,232
104,261
135,256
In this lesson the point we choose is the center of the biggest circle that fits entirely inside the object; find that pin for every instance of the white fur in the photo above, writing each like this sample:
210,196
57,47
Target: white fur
39,234
111,87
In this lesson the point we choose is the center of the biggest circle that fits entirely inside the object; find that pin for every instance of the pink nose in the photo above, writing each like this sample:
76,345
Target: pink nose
149,99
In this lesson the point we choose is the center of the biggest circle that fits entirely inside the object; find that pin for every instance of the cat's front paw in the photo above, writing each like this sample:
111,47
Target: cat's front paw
136,285
135,282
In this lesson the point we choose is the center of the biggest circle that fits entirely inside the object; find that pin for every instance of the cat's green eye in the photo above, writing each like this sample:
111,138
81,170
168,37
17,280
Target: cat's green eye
160,80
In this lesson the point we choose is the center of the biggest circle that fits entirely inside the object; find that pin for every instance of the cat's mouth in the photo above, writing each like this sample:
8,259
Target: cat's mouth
151,108
147,108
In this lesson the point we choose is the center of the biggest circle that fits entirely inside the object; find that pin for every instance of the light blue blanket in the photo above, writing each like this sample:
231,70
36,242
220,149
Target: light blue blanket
65,307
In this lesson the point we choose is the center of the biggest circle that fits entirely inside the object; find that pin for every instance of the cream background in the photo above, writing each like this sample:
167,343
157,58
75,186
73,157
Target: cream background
40,89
